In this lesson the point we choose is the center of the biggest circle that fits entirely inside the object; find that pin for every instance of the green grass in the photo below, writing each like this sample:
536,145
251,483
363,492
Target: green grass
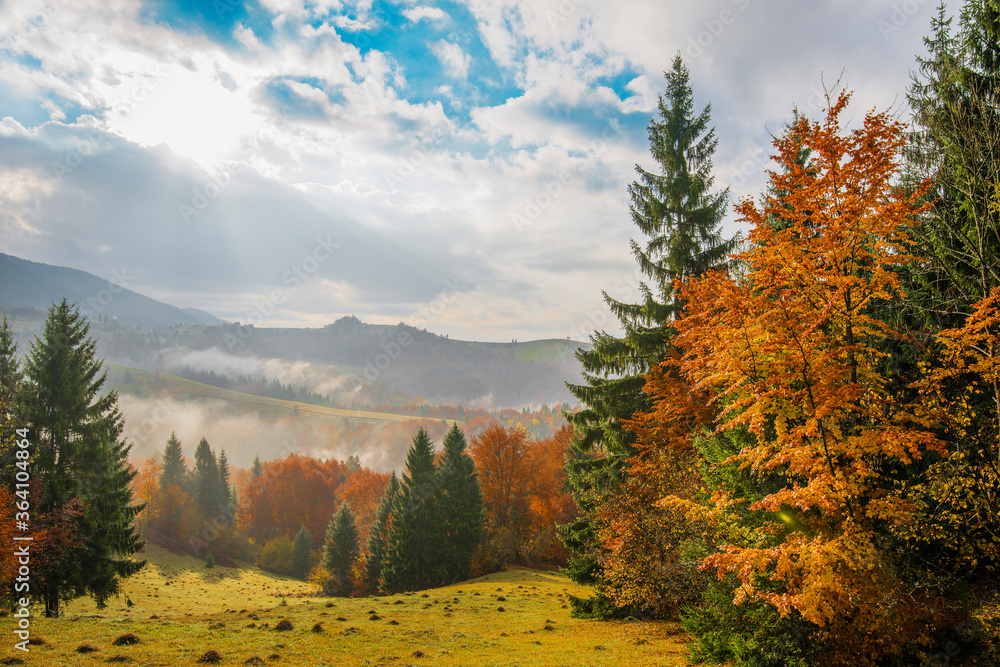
235,612
148,383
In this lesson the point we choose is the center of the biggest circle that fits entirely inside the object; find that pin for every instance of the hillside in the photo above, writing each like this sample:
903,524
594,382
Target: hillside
181,610
26,284
349,360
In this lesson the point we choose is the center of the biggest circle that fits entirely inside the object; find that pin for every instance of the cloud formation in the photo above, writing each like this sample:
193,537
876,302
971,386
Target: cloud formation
207,147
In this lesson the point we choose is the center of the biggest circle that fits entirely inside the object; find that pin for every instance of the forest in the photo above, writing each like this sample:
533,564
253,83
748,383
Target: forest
792,448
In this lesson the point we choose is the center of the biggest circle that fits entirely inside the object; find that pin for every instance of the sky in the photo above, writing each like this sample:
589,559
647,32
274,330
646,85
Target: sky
459,166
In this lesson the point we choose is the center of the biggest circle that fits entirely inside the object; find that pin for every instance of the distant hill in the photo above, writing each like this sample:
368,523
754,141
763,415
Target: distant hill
348,360
355,362
26,284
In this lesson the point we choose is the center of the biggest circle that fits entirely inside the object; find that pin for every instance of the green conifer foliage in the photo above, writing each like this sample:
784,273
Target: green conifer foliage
80,454
680,217
341,550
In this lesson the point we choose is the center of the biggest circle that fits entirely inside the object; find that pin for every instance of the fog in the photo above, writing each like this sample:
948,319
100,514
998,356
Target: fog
149,422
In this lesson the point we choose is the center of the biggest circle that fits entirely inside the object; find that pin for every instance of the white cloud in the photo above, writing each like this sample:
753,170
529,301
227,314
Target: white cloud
418,14
454,59
444,175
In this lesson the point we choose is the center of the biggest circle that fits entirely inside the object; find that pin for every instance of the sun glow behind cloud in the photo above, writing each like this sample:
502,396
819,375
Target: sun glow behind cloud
192,113
488,142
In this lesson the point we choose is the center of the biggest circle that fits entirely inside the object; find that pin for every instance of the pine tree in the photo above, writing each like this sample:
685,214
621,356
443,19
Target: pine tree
257,470
225,490
378,536
460,508
414,535
680,217
341,550
81,456
10,383
955,99
174,470
207,481
302,553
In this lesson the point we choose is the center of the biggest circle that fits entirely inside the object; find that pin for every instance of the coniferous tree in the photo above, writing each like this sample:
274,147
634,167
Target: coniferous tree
257,469
10,383
378,536
460,508
341,550
174,470
225,490
414,535
955,99
676,210
82,458
302,553
207,481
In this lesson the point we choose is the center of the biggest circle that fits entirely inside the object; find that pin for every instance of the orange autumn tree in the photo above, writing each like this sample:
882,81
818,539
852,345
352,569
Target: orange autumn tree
959,507
522,483
789,351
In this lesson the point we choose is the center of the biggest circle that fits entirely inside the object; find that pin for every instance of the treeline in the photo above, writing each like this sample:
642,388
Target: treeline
793,449
68,484
541,422
476,511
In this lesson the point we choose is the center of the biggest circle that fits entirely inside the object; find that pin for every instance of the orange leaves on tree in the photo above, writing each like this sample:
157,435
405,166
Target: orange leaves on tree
522,483
789,349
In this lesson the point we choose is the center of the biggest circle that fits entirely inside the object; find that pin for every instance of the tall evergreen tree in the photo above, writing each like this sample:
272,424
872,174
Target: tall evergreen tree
225,488
460,508
378,536
10,383
955,99
174,470
257,469
680,217
208,484
341,550
414,535
80,455
302,553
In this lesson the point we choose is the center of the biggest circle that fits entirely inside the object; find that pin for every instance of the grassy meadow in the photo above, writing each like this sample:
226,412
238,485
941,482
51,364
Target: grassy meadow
180,611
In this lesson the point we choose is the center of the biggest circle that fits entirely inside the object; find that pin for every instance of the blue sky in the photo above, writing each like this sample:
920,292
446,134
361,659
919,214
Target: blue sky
390,159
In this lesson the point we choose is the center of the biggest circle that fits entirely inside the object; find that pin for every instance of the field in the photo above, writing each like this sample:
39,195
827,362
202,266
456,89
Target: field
181,610
142,382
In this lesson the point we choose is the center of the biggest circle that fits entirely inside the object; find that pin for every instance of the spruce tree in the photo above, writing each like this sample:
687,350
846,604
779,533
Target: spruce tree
10,383
955,99
341,550
257,469
680,217
460,509
414,535
378,536
80,454
225,490
302,553
174,470
207,481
